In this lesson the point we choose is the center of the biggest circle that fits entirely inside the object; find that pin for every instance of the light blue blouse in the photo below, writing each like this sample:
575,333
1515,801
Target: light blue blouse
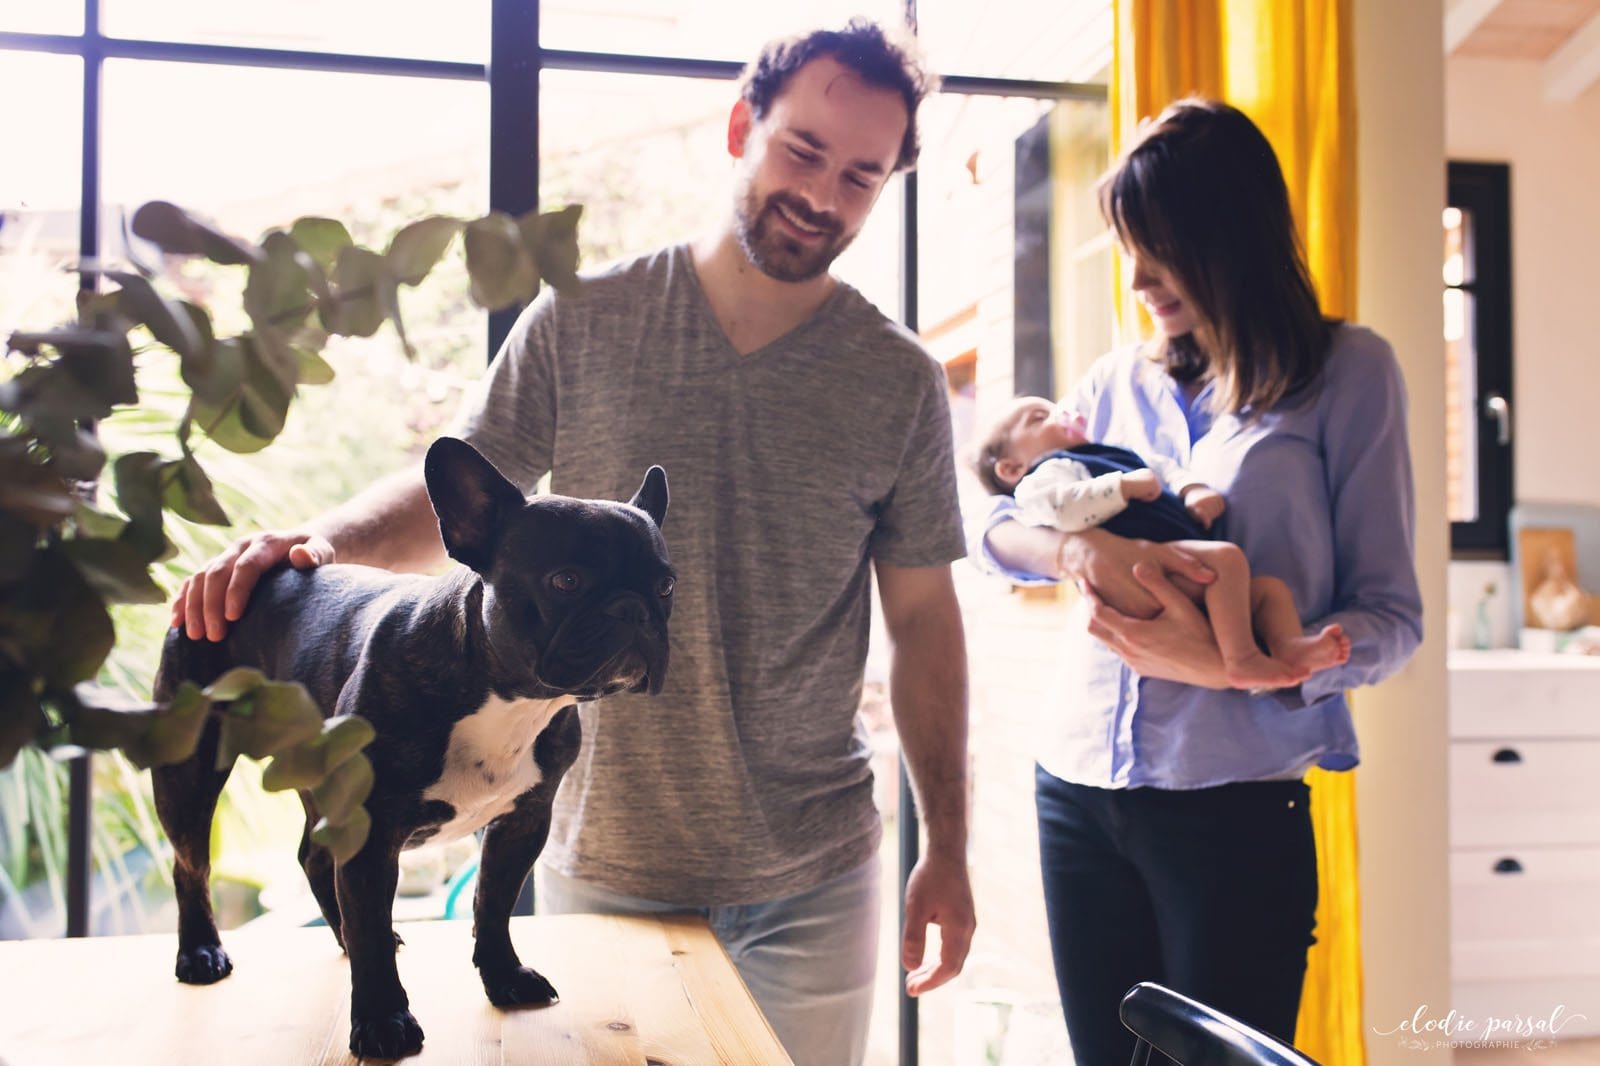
1319,493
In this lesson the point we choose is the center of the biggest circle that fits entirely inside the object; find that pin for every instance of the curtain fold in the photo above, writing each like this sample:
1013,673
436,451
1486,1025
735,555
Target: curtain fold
1288,65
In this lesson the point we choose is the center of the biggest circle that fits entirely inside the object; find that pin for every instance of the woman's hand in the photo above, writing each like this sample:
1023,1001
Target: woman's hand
1104,563
1176,644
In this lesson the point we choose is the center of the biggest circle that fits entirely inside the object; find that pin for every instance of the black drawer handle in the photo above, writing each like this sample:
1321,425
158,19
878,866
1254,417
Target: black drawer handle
1508,866
1508,755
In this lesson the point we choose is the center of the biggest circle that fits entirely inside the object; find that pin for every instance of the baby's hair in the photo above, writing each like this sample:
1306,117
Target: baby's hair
986,456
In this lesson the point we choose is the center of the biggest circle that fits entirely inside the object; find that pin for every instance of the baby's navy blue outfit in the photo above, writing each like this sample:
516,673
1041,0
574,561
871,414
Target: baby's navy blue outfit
1161,519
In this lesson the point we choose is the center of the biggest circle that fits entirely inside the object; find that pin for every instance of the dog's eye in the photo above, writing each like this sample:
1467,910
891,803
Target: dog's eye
566,582
664,587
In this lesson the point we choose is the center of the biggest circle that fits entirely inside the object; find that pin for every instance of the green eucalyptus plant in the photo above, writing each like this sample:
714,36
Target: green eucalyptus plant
66,555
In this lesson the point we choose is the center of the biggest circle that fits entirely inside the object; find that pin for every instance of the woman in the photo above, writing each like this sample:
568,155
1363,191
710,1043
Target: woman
1174,829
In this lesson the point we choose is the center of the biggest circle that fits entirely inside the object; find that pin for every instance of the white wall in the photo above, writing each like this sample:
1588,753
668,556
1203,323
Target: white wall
1495,112
1402,782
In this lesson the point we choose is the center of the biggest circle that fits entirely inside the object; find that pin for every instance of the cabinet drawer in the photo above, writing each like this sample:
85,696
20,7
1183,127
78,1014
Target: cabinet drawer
1571,1006
1516,694
1524,913
1524,792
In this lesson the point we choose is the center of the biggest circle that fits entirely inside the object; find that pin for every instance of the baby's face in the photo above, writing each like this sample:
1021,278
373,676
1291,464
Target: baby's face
1037,428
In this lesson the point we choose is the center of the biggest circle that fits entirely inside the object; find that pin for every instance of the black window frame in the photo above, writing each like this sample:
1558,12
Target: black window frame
512,73
1483,191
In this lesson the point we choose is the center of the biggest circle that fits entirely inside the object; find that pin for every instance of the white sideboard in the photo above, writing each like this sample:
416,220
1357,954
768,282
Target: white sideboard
1525,836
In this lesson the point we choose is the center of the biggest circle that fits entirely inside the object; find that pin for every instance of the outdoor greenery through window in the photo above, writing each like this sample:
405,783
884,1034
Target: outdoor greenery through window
255,146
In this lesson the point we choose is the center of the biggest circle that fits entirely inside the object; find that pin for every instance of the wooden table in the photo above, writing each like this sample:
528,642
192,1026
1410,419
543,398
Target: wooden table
634,991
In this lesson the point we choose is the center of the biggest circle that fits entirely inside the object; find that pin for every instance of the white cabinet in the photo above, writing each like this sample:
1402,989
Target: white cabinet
1525,836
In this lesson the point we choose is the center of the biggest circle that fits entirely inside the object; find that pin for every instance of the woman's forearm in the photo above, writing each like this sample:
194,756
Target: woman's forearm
1031,548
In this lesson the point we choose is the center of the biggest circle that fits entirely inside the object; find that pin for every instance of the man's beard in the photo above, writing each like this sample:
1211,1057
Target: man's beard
774,252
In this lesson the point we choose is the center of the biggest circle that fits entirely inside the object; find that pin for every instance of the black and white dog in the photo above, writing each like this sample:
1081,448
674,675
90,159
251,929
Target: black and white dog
470,680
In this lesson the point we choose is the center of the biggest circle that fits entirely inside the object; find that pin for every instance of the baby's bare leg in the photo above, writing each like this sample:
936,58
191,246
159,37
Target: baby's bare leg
1278,622
1229,604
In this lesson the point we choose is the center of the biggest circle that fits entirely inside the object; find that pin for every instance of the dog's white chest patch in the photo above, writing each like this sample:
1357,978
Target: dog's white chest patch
490,762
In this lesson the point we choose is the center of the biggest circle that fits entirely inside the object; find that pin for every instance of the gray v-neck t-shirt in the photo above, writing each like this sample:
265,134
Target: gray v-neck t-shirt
791,470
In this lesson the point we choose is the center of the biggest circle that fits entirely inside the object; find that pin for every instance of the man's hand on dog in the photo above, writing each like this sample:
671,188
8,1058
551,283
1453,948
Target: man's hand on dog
216,595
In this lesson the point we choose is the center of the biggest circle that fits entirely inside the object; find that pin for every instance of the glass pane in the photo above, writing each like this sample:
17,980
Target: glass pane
1014,259
40,16
1461,411
39,190
647,157
1065,41
257,148
413,29
703,29
1459,256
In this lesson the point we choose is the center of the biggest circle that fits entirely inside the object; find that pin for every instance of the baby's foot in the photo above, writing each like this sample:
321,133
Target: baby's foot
1315,651
1259,672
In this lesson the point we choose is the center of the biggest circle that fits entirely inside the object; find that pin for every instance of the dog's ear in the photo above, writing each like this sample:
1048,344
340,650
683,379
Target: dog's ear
470,497
652,495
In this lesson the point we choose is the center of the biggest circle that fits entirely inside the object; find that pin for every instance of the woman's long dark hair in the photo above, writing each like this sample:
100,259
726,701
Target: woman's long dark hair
1201,192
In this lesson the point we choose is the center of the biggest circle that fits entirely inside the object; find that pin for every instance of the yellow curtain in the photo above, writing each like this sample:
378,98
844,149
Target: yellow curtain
1288,65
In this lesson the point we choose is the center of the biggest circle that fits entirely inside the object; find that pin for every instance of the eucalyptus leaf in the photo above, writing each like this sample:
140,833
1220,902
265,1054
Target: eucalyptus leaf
555,246
19,541
356,309
49,391
101,718
216,380
200,369
93,522
168,322
273,351
176,231
137,478
75,453
20,717
280,715
116,569
344,840
278,292
34,493
226,426
58,622
314,370
235,683
321,238
389,296
418,247
501,271
344,790
189,493
174,729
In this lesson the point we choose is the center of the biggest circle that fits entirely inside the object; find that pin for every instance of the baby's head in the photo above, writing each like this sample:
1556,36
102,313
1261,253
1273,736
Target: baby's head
1025,432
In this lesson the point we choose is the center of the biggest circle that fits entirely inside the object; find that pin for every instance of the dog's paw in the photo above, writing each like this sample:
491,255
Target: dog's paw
203,965
389,1036
519,988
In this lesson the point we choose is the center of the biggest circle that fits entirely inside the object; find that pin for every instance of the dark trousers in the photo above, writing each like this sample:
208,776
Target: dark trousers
1211,892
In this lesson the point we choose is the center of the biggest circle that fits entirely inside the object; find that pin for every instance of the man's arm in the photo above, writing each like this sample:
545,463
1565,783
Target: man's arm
391,524
928,690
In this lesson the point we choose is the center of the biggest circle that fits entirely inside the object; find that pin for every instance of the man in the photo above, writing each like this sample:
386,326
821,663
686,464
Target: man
806,436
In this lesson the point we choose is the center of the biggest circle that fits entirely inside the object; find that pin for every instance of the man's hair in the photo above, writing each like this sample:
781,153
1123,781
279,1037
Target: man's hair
864,47
1199,190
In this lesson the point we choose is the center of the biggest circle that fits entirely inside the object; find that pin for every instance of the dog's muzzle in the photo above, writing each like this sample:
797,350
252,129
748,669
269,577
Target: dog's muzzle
619,647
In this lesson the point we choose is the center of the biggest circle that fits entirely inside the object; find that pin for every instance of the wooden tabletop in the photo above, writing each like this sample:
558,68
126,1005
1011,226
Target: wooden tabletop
634,991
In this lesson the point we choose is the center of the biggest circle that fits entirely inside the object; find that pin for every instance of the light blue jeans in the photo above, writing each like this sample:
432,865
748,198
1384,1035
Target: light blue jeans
807,959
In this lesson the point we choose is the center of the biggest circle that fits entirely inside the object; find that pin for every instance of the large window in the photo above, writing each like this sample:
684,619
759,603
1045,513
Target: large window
1477,329
379,111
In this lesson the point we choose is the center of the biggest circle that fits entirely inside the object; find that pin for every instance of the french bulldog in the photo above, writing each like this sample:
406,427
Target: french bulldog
470,679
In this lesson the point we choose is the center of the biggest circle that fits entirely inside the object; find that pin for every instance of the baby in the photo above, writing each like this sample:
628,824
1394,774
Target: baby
1042,455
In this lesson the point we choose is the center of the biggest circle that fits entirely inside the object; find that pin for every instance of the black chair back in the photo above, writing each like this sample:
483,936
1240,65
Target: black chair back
1192,1034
